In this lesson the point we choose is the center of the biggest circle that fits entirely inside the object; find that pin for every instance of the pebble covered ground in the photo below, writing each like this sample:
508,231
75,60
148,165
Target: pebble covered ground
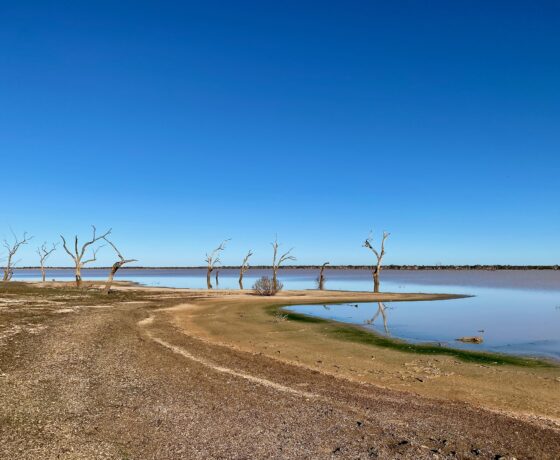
84,376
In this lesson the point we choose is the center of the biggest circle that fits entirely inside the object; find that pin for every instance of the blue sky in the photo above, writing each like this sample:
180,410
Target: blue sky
179,124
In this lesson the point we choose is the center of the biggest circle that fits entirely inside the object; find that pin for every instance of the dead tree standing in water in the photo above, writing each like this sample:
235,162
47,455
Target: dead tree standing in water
244,268
212,260
277,261
376,270
118,264
12,249
78,254
321,279
44,254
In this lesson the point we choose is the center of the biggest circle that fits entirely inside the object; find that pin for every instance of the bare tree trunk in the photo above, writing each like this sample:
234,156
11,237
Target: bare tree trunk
375,279
114,270
12,250
44,254
78,276
8,273
217,281
244,268
78,254
274,278
321,280
277,261
212,260
118,264
376,270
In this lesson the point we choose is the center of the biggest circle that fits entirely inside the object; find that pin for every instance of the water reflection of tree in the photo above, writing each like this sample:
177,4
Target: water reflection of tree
381,310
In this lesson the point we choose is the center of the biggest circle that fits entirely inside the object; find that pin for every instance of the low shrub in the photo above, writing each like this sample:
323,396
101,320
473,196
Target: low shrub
265,286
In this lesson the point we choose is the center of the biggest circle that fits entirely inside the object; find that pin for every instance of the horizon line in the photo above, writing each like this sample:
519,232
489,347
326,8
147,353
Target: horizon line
311,266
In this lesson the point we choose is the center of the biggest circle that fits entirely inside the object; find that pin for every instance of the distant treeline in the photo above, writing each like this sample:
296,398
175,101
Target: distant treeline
334,267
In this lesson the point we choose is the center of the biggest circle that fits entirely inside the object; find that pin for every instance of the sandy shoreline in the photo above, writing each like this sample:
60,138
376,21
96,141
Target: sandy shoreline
241,321
178,373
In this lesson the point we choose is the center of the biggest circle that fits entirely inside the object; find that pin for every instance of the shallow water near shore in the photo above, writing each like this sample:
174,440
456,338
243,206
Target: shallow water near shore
513,311
519,322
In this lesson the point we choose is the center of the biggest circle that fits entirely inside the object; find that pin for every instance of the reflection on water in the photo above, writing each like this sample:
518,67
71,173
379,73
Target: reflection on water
514,321
519,311
381,309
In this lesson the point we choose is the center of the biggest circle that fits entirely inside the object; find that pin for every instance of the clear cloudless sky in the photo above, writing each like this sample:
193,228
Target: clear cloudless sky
179,124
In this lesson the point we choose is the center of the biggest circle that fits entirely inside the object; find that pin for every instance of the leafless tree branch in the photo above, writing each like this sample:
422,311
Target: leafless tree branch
321,279
376,270
277,261
213,259
44,254
118,264
244,268
12,249
78,254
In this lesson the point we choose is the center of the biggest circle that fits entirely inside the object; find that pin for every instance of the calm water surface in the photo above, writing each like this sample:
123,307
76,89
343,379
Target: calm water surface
518,311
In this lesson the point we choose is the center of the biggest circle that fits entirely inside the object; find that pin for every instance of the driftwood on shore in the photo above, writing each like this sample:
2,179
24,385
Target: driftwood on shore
470,339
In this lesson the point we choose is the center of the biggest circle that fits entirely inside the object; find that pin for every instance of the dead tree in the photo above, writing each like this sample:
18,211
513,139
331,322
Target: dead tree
277,261
44,254
244,268
78,254
212,260
12,250
118,264
321,279
216,277
376,270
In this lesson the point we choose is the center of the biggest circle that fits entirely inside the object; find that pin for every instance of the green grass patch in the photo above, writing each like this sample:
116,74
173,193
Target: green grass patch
357,334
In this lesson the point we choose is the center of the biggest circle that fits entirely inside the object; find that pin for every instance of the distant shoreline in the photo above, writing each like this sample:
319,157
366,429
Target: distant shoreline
329,267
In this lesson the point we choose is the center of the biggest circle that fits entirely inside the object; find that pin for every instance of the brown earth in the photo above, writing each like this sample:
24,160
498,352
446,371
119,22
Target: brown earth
83,375
244,322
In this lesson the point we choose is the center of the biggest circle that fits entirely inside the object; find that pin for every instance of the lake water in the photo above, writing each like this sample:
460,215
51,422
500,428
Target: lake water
519,311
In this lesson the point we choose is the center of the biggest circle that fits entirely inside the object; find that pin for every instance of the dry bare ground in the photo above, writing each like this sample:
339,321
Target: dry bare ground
83,375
